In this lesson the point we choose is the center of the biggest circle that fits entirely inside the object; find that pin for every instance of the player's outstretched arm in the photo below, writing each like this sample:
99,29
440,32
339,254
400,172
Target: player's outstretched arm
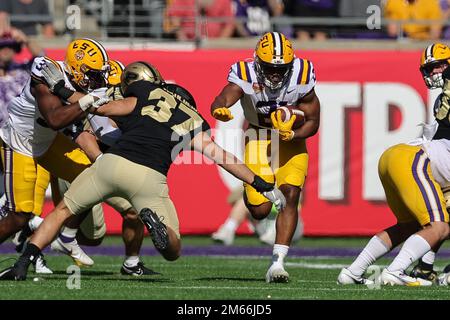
114,108
229,95
56,115
203,143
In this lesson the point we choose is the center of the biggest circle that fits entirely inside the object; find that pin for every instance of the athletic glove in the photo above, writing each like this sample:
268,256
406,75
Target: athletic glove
284,128
222,114
55,80
269,191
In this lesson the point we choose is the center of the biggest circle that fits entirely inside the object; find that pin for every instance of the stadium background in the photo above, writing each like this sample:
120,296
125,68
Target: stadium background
370,100
370,88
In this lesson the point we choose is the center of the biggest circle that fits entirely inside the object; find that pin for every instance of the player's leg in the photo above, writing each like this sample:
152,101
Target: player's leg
292,161
133,236
424,267
425,201
148,192
387,239
67,240
20,179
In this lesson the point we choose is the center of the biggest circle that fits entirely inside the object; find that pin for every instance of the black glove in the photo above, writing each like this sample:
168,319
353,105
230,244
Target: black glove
261,186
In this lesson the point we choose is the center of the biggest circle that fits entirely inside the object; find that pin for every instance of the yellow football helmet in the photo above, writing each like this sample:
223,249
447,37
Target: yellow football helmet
274,57
87,64
115,72
434,56
139,70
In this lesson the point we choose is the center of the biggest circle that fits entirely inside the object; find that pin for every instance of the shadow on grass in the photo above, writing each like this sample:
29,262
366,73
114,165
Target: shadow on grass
230,279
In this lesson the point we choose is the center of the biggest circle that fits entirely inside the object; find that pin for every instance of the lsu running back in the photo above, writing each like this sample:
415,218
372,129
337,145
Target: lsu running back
275,78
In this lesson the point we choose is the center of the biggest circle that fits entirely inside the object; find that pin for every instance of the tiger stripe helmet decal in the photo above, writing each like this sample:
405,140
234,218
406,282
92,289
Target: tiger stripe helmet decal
274,58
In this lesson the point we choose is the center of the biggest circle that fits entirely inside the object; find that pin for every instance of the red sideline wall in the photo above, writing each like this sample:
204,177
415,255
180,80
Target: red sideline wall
370,100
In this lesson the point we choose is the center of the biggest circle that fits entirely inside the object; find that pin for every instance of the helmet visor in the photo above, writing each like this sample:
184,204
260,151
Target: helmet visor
434,67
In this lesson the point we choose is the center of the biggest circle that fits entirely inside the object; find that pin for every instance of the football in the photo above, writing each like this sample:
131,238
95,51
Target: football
288,111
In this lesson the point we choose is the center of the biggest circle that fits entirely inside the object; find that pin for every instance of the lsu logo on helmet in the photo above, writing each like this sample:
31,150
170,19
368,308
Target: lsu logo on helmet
139,71
87,64
435,58
274,58
115,72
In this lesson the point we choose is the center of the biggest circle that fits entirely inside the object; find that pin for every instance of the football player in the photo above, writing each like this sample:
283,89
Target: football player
414,176
276,77
32,143
155,119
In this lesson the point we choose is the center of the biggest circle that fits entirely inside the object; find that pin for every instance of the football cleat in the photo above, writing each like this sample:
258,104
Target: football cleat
277,274
423,273
73,250
224,235
444,279
18,271
157,229
40,266
399,278
347,277
137,271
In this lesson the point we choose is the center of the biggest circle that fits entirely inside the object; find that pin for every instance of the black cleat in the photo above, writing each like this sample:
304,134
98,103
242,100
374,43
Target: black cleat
157,229
18,271
137,271
427,274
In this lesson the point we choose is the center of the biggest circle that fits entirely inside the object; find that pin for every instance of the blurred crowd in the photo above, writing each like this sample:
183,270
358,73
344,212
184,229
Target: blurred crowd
191,19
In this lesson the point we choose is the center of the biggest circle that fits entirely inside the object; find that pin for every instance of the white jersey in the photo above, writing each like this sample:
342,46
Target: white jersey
26,131
258,102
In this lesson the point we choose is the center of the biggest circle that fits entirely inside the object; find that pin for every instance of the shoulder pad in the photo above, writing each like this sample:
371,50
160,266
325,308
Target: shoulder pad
242,74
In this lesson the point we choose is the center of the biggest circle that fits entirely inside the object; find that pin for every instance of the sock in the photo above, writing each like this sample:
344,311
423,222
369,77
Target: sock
35,222
231,224
279,253
31,253
131,261
375,249
68,235
413,248
427,260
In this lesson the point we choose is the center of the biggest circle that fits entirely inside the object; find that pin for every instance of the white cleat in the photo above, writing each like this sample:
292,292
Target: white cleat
444,279
73,250
40,266
347,277
399,278
224,235
276,273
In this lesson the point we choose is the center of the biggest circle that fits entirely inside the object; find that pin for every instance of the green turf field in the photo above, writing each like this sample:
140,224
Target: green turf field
211,277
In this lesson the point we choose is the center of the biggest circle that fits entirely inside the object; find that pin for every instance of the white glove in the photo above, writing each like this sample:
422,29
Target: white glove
89,101
276,197
52,75
97,104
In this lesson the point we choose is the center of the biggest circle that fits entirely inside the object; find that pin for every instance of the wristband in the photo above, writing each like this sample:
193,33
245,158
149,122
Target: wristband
61,91
260,185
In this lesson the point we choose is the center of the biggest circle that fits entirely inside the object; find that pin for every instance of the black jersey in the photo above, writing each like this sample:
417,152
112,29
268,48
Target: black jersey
161,120
442,115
